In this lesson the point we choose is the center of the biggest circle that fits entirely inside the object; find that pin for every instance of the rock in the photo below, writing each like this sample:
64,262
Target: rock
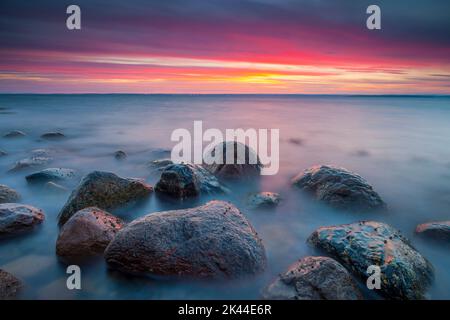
159,164
41,152
213,240
55,188
187,180
3,153
263,200
439,230
314,278
53,135
50,174
405,273
88,232
8,195
339,188
14,134
251,165
296,141
104,190
120,155
18,218
9,286
31,162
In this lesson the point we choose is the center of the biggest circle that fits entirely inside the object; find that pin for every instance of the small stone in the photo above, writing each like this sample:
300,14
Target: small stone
120,155
14,134
8,195
51,174
263,200
438,230
53,135
10,286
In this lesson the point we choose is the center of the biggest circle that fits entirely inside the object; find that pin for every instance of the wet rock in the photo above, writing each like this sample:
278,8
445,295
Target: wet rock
251,165
51,174
3,153
104,190
339,188
53,135
213,240
8,195
438,230
9,286
18,218
405,273
263,200
120,155
87,233
314,278
31,162
187,180
14,134
159,164
55,188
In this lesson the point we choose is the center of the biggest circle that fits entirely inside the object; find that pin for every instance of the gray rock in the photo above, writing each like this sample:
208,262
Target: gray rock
120,155
213,240
55,188
18,218
8,195
246,163
51,174
104,190
187,180
405,273
14,134
53,135
263,200
31,162
87,233
3,153
314,278
439,230
10,286
339,188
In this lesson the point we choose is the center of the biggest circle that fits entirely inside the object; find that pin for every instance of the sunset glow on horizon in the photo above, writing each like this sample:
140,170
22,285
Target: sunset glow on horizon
225,47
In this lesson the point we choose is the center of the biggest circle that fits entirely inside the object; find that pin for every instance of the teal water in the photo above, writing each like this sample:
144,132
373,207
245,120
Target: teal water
401,145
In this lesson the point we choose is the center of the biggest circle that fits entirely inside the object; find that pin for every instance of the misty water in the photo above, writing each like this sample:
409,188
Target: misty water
401,145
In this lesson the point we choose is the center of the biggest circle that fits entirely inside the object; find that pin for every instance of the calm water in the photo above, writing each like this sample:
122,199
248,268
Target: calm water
401,145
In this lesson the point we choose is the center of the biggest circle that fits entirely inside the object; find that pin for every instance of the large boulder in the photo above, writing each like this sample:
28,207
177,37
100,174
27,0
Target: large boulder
88,232
104,190
213,240
18,218
245,164
8,195
51,174
187,180
9,286
405,273
339,188
314,278
438,230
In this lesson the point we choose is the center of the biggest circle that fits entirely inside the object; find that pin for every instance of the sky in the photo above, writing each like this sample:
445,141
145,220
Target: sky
225,46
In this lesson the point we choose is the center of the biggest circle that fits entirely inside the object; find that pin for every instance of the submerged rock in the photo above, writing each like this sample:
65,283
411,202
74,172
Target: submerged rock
31,162
405,273
246,163
50,174
53,135
339,188
3,153
120,155
8,195
187,180
14,134
55,188
438,230
263,200
159,164
18,218
314,278
88,232
104,190
213,240
9,286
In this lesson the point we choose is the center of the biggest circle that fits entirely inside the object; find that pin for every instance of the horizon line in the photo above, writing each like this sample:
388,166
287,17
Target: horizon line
239,94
